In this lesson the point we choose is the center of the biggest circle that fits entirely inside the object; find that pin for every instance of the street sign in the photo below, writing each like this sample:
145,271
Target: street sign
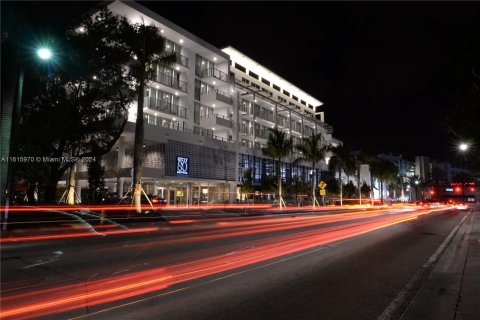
323,192
322,185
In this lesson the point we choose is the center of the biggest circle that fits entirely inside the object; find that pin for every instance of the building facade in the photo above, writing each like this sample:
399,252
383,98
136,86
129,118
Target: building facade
206,119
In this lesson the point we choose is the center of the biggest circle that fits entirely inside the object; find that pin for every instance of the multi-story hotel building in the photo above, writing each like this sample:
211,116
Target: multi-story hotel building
206,120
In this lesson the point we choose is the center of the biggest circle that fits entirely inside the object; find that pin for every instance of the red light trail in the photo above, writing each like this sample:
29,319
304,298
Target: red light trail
115,288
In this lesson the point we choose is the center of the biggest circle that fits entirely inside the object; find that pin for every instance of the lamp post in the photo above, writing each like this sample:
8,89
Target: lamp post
44,54
463,147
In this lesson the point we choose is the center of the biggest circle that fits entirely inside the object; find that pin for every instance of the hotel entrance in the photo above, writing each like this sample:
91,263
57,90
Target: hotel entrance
188,194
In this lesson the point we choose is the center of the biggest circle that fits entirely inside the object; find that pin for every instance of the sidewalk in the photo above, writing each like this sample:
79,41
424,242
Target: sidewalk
452,290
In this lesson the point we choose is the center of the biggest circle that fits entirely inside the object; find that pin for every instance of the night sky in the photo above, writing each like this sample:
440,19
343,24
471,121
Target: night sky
383,70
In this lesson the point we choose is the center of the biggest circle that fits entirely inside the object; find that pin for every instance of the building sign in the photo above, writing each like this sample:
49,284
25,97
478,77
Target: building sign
182,165
449,189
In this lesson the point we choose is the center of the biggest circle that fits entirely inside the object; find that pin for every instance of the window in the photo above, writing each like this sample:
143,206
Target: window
310,106
276,88
295,98
255,86
253,74
245,80
265,81
239,67
303,102
285,92
282,100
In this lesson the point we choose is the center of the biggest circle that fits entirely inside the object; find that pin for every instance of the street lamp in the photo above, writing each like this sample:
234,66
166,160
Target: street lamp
44,53
463,146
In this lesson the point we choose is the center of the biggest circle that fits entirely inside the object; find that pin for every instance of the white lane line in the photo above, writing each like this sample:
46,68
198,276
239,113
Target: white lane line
403,299
56,256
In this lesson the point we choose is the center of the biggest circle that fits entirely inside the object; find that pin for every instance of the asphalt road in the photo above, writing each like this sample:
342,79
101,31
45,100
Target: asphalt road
328,266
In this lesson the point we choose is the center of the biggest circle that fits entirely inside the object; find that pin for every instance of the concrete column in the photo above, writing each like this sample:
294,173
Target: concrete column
253,120
303,129
155,190
290,123
233,192
189,194
120,186
276,116
168,196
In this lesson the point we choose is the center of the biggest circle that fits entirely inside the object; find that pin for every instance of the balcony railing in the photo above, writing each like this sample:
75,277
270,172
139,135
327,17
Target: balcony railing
170,81
208,134
165,106
219,95
181,60
213,72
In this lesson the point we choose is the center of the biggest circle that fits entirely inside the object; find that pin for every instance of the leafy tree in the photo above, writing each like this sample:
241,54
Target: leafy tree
385,171
278,147
342,160
80,108
359,159
297,185
365,189
247,182
313,150
146,47
349,189
333,187
268,183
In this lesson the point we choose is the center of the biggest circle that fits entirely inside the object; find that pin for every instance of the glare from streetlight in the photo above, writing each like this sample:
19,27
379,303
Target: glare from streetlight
44,53
463,147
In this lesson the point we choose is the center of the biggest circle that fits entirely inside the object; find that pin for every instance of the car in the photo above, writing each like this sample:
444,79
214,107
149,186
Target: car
461,206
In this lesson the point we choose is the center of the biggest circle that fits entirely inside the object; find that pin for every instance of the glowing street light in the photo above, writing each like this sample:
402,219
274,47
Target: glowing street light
463,147
44,53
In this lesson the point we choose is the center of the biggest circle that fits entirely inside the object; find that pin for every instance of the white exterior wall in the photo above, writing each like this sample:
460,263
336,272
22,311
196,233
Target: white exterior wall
226,123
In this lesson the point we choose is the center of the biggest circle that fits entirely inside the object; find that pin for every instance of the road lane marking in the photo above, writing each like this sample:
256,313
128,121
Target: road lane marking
398,305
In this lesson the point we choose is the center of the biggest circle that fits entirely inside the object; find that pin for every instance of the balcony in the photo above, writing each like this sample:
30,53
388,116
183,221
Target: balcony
213,73
170,81
217,98
165,106
181,60
214,120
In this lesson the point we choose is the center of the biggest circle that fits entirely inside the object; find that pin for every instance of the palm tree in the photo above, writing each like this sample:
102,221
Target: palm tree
359,159
385,171
342,160
146,46
313,150
278,146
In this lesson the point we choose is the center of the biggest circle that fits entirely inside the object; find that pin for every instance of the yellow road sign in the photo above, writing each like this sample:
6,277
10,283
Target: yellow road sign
322,185
323,192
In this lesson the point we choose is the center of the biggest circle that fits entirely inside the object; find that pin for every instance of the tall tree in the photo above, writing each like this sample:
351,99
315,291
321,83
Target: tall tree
359,159
342,160
297,185
385,171
313,150
247,182
146,47
80,106
278,147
